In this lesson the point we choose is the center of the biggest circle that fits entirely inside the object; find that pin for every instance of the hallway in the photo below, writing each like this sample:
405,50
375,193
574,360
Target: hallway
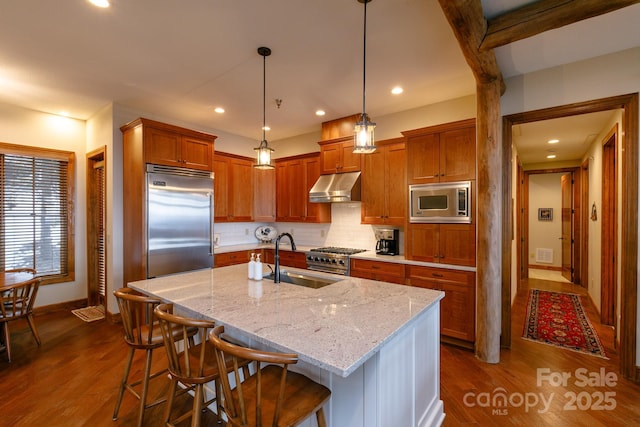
526,374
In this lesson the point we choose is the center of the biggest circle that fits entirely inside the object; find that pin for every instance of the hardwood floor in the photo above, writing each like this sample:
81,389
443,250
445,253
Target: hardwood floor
469,385
72,379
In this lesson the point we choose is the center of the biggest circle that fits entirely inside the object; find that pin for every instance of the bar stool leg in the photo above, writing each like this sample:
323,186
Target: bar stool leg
145,387
123,383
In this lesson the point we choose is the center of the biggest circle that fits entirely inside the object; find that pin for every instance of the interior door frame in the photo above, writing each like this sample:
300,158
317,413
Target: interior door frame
609,223
629,224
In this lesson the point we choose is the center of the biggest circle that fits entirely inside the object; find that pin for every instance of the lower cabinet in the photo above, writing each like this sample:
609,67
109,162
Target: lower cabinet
232,258
295,259
378,270
458,307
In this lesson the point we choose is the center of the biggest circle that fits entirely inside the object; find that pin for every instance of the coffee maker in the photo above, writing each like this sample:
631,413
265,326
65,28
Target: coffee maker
388,241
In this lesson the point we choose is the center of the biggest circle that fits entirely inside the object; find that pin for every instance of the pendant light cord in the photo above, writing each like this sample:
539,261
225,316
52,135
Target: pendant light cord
364,61
264,97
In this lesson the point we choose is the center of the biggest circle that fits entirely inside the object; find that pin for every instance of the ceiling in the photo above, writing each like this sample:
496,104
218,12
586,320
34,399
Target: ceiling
180,60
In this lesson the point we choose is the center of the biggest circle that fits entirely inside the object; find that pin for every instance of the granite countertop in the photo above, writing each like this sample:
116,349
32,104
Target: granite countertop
337,327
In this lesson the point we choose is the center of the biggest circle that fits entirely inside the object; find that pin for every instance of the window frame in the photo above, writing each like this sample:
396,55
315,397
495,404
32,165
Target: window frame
69,157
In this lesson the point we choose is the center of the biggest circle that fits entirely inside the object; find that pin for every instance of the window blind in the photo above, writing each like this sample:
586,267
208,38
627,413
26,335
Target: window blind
33,195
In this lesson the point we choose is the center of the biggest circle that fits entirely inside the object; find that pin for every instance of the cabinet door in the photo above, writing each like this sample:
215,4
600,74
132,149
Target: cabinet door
221,188
297,191
283,196
458,155
349,161
231,258
423,157
422,242
241,190
264,195
396,187
330,158
373,207
457,310
162,147
196,153
458,244
293,259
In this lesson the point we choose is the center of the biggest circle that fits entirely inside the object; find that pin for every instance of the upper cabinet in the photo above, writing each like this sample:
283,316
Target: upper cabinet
233,188
383,184
442,153
294,178
264,195
173,146
336,156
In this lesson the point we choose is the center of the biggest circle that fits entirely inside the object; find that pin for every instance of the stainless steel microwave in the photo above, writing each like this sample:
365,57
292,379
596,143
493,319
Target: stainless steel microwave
440,203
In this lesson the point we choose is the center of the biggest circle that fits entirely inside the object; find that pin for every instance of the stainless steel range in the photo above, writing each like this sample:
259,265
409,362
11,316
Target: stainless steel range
330,259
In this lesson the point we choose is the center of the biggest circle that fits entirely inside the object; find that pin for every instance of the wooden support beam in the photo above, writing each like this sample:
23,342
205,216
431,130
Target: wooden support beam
469,26
542,16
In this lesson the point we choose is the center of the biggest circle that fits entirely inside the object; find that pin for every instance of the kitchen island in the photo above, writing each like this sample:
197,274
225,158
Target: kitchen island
374,344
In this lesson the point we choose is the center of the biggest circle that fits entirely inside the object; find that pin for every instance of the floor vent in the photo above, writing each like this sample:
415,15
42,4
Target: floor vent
544,255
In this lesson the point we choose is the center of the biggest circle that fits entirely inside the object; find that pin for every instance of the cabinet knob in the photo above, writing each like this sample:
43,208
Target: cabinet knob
437,275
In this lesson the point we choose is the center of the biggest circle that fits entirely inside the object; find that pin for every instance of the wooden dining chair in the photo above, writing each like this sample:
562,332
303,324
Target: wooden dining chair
141,332
192,361
17,303
273,395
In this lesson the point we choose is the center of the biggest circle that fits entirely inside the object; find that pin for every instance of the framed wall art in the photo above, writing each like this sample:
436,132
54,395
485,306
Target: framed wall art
545,214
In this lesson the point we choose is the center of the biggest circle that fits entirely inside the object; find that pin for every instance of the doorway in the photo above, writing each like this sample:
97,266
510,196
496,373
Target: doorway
96,226
628,259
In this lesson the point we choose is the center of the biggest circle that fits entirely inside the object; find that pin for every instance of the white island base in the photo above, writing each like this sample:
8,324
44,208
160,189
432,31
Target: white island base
398,386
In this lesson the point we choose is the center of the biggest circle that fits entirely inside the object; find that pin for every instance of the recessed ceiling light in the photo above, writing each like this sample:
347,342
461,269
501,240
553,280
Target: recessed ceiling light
551,156
219,110
320,113
100,3
553,141
397,90
266,128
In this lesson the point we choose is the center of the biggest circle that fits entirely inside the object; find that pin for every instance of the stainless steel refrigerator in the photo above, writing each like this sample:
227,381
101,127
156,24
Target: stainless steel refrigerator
179,220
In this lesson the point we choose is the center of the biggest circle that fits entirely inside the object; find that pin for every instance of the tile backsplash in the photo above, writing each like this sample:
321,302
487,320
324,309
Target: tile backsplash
345,230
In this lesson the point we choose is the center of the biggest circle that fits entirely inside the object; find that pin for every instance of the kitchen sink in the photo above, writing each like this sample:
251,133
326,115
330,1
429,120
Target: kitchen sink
306,280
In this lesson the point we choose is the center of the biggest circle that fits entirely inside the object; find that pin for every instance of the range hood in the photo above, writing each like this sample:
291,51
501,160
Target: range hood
337,187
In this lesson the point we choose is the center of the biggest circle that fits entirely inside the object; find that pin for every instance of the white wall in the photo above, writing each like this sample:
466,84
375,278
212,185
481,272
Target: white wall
545,192
27,127
595,78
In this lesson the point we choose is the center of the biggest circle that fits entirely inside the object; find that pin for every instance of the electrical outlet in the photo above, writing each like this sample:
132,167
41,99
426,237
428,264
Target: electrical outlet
322,233
291,232
216,239
246,231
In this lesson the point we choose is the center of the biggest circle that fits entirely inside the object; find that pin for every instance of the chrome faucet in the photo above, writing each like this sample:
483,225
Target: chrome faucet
276,268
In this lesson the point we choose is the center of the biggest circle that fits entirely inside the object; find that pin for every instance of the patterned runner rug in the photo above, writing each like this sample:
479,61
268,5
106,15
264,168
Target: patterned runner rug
90,314
559,319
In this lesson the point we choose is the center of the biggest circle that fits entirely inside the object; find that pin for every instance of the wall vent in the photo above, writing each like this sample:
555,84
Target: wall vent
544,255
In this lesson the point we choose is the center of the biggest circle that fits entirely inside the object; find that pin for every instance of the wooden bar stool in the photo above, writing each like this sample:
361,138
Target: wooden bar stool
192,361
141,332
17,303
273,395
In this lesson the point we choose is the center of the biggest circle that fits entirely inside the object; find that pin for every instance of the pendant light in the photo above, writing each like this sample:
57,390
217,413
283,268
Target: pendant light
364,142
263,151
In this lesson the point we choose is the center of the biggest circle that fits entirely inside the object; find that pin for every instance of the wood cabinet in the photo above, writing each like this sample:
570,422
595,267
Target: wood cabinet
232,258
264,195
443,243
384,189
378,270
233,188
147,141
458,307
294,178
166,146
442,153
336,156
288,258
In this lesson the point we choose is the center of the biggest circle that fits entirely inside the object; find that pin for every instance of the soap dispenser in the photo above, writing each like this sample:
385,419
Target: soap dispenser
257,269
252,264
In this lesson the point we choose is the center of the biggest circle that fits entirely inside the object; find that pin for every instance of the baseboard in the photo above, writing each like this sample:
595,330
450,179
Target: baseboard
63,306
545,267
